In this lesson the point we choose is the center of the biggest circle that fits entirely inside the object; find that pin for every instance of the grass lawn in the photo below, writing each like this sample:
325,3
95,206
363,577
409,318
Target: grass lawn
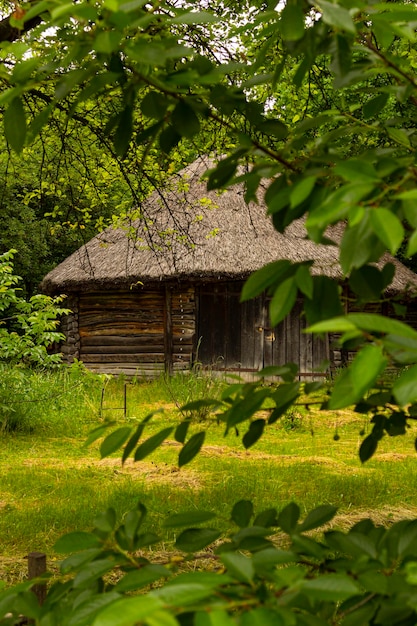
51,484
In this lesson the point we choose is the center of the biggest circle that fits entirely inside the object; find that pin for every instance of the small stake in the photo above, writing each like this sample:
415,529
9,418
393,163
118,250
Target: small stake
37,567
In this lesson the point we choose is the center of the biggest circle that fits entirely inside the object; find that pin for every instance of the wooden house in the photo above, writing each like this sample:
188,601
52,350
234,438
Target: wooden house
162,291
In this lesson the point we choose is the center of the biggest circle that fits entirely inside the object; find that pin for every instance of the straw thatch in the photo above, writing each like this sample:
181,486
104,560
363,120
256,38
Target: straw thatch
186,232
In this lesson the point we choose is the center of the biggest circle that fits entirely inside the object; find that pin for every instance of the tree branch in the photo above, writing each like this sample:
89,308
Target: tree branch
11,33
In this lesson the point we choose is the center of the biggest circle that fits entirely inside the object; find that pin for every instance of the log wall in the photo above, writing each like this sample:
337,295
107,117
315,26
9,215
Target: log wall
147,331
127,331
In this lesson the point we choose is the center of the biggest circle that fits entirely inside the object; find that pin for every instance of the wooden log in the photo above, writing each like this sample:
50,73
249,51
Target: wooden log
111,341
132,349
138,358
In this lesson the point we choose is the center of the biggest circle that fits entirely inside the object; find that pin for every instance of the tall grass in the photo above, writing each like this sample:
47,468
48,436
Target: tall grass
55,402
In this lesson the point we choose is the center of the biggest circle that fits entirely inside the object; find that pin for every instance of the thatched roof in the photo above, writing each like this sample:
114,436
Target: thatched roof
186,232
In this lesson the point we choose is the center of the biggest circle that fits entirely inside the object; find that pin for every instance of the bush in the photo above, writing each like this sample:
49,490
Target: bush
45,401
269,569
29,327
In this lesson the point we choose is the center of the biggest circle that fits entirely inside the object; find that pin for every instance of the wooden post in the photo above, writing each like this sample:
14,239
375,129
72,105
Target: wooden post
101,403
168,337
37,567
125,401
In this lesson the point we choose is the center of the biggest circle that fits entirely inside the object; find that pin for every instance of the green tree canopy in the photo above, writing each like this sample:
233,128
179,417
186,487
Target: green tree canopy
318,97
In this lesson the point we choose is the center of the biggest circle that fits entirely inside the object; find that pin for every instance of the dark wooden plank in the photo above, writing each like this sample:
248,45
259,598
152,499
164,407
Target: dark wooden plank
168,342
233,311
139,357
204,334
293,337
280,344
121,349
252,332
111,341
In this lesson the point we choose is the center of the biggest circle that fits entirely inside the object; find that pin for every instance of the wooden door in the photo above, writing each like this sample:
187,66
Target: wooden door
239,336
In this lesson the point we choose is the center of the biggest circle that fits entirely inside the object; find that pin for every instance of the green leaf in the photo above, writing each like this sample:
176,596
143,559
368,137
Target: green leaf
287,372
221,175
336,16
73,542
374,106
285,395
213,617
38,122
388,228
368,448
191,448
266,560
114,441
288,517
184,120
194,539
188,518
304,281
358,378
106,521
317,517
325,302
267,276
128,611
273,127
405,387
399,135
302,190
69,81
245,408
342,56
330,587
412,244
124,131
154,105
242,513
14,120
402,349
369,322
283,300
357,170
255,431
181,431
169,139
238,566
292,22
336,205
107,41
368,282
92,571
266,518
359,246
75,561
152,443
97,433
132,443
143,577
177,594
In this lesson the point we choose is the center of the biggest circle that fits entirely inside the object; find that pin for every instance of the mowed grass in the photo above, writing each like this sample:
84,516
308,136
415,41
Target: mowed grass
52,484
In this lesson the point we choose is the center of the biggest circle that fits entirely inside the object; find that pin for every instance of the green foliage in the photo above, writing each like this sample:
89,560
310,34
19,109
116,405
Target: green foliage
54,402
29,327
366,575
320,99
